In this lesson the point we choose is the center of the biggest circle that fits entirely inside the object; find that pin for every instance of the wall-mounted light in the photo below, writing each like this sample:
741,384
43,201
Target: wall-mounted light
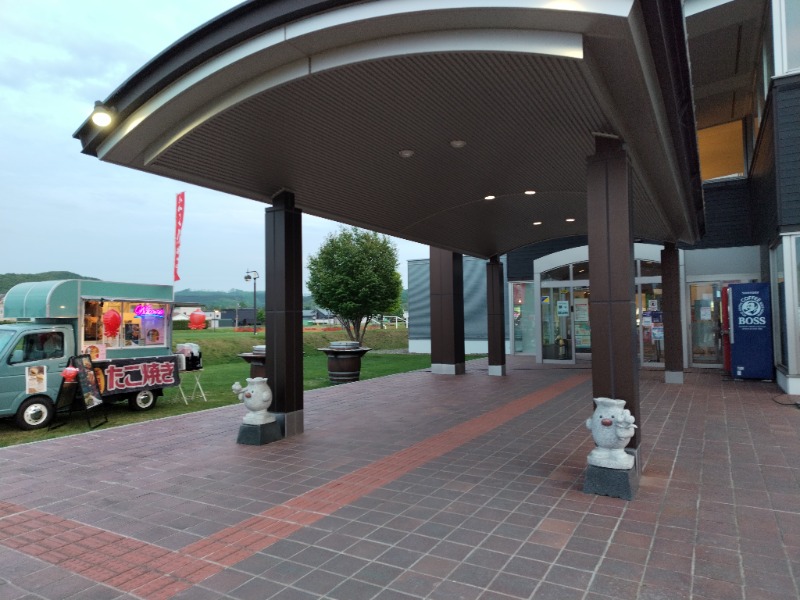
102,114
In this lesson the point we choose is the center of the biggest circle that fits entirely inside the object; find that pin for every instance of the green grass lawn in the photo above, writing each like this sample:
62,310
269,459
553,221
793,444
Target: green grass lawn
222,367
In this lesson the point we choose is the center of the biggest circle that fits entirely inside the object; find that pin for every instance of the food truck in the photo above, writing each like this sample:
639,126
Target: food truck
122,331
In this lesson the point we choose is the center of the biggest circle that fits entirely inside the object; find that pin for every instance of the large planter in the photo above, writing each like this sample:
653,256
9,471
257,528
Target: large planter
344,361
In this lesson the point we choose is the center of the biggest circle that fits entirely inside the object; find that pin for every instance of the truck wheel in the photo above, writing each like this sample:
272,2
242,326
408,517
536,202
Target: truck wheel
34,413
144,400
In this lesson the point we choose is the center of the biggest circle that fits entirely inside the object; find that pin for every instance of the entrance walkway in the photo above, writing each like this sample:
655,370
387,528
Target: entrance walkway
417,486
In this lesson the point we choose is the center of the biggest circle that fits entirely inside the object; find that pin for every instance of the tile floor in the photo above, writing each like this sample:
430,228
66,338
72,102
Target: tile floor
417,486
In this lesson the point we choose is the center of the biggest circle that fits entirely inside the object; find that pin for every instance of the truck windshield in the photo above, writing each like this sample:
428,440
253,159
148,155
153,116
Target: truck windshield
5,338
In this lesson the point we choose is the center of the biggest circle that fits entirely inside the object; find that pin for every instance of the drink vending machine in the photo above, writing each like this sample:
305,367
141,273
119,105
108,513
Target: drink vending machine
749,316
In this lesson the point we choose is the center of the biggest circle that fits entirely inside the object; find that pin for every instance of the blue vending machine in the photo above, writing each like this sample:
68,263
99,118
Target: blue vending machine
750,318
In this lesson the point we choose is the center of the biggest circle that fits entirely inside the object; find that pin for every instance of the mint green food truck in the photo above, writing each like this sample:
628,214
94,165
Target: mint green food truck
124,329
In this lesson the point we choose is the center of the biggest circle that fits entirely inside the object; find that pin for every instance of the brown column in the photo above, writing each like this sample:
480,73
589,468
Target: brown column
671,314
284,312
447,313
615,370
496,316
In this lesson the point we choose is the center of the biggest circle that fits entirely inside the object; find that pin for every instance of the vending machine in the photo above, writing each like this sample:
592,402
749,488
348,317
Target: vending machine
750,320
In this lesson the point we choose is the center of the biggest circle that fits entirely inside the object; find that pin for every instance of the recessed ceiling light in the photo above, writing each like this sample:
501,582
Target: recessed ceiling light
570,220
406,153
458,143
488,197
529,192
537,222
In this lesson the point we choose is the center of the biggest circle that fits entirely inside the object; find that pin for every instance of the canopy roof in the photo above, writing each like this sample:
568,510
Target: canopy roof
325,98
62,298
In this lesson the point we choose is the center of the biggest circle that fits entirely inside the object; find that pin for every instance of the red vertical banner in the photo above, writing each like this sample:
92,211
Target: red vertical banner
179,209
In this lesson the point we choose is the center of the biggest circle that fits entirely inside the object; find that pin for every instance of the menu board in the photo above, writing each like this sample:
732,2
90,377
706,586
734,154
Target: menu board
90,392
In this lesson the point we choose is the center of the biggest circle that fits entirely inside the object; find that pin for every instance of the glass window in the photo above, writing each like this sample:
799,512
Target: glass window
580,270
38,346
557,274
792,40
110,325
650,268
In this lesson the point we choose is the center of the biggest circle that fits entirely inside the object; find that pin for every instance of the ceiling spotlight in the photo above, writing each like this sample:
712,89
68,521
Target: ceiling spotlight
406,153
458,143
537,222
570,220
101,115
529,192
488,197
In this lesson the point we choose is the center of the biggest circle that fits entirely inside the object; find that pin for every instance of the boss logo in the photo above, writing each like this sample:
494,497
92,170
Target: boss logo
751,311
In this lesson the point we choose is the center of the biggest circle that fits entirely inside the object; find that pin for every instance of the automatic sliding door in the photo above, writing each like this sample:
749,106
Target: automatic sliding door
556,324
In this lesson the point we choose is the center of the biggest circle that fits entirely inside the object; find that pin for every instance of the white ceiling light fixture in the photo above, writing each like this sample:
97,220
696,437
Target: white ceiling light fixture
406,153
537,223
489,197
458,143
530,192
570,220
101,114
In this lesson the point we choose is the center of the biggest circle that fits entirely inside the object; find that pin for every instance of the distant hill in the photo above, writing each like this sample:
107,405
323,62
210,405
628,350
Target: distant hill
209,299
9,280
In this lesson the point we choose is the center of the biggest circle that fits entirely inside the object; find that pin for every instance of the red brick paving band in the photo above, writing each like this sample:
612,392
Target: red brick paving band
156,573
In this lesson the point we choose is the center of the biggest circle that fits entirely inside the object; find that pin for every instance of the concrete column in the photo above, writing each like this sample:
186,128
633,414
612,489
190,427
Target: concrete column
447,313
495,312
671,314
615,368
284,312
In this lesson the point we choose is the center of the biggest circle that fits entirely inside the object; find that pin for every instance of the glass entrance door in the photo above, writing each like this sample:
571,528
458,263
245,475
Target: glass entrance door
557,324
706,339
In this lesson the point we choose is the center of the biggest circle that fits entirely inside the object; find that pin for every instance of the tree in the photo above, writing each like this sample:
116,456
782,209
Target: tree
354,276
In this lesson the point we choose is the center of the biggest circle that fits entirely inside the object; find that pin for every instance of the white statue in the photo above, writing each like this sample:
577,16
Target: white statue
256,397
612,427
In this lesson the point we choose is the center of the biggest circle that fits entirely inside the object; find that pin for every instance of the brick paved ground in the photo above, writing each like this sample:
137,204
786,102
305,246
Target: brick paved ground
417,486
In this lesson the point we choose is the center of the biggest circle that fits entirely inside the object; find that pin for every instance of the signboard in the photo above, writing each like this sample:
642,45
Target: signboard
562,308
582,310
135,374
658,332
90,392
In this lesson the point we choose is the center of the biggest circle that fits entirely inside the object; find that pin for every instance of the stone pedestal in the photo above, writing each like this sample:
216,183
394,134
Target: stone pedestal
258,435
257,362
617,483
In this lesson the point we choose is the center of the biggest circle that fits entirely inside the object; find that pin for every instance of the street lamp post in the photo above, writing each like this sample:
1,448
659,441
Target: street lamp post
248,276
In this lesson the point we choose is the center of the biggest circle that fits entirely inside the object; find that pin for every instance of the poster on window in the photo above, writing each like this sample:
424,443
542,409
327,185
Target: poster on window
36,379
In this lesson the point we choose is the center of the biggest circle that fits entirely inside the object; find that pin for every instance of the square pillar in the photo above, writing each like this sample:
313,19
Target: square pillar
284,312
615,369
447,313
495,312
671,314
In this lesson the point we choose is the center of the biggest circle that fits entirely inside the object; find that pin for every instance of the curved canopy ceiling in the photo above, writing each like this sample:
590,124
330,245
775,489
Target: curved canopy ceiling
403,116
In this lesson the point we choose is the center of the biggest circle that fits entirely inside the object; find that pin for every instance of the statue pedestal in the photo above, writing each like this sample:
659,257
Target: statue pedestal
617,483
258,435
257,362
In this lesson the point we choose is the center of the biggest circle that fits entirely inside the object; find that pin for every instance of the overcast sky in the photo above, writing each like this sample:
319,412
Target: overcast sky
61,210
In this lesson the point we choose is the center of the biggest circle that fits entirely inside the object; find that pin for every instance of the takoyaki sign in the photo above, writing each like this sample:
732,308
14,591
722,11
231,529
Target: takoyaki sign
130,374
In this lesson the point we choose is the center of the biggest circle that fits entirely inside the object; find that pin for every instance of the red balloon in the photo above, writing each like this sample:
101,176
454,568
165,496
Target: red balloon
111,321
197,320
